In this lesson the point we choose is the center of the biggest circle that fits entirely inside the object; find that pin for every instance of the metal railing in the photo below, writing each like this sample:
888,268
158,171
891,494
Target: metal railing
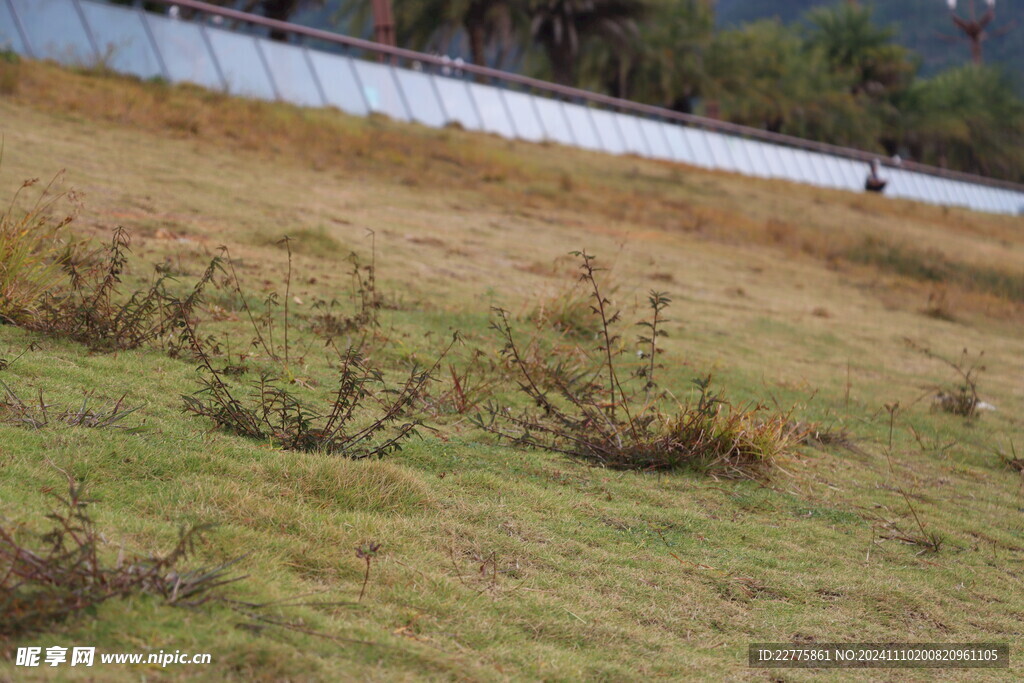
435,91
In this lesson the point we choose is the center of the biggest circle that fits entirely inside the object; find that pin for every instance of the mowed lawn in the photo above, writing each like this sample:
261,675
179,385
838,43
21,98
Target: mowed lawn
496,562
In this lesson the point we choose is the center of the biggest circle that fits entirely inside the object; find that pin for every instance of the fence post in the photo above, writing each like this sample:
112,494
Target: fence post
359,82
686,142
618,129
803,161
508,112
593,124
943,191
664,137
476,105
917,186
316,77
213,58
21,31
257,41
743,150
88,30
764,162
560,105
540,119
401,92
153,44
437,94
715,163
643,134
819,160
734,167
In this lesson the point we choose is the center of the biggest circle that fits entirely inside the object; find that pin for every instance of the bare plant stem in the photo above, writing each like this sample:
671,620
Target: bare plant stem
372,278
366,579
926,539
654,349
614,388
287,295
245,304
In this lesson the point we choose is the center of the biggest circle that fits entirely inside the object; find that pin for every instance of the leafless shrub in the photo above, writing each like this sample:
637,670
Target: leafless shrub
929,541
93,312
463,389
1011,460
585,412
568,314
961,399
939,305
64,573
271,412
39,413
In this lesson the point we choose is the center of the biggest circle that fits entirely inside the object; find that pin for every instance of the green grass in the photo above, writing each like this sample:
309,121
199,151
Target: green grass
499,563
314,241
934,266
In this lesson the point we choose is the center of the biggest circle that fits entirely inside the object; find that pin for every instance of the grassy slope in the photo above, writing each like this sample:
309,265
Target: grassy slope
765,295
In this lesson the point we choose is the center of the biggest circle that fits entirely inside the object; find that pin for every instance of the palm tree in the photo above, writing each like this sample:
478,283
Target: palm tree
877,72
662,63
561,27
857,48
487,24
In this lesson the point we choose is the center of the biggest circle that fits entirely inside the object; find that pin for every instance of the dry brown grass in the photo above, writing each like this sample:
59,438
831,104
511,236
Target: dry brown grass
321,138
822,225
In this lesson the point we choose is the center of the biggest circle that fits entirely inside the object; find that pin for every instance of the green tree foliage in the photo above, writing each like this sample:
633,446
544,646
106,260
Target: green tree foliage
663,62
841,79
922,26
859,50
862,55
765,75
967,118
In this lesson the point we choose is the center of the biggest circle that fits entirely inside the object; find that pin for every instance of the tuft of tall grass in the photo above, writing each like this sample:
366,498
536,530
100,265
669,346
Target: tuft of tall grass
10,72
33,244
932,265
569,314
50,282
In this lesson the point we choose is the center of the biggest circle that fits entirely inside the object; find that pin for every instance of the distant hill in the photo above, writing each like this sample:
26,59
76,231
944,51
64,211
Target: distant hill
919,24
